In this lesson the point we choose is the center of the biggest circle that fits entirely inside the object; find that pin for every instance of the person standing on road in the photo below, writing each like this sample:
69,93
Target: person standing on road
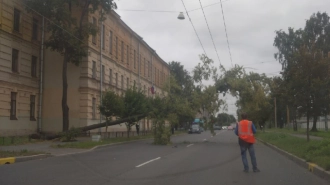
245,131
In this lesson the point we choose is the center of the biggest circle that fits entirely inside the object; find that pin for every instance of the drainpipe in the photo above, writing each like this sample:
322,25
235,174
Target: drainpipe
139,63
101,75
41,74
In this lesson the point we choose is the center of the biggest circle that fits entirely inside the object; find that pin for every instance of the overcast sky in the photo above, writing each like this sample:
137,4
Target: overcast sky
251,26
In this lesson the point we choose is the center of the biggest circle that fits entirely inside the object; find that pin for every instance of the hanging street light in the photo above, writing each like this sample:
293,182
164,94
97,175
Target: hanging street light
181,16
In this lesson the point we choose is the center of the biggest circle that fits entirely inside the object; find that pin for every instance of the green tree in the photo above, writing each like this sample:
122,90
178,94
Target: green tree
302,54
69,30
112,106
134,103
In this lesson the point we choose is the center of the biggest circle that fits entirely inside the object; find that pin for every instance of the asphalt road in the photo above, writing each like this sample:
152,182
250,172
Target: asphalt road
195,159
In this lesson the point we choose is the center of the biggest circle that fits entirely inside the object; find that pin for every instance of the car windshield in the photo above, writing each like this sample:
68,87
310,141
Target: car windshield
148,92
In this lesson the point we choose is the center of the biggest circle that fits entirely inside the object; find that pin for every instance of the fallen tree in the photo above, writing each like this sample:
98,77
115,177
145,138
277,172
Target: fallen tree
111,123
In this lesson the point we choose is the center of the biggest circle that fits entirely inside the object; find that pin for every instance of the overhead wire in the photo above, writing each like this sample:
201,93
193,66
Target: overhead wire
215,48
224,22
53,23
193,27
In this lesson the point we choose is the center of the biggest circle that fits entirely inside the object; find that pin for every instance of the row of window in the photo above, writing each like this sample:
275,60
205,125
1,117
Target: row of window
17,24
15,63
13,106
160,78
111,48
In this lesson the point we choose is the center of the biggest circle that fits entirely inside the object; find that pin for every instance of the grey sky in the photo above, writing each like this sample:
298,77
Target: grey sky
251,26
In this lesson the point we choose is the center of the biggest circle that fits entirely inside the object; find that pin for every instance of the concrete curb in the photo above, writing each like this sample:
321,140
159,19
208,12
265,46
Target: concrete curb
32,157
310,166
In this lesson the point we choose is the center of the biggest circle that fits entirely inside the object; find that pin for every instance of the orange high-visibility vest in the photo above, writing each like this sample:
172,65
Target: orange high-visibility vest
245,131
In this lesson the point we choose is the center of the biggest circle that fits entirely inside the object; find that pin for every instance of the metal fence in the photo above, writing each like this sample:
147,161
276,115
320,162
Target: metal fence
107,135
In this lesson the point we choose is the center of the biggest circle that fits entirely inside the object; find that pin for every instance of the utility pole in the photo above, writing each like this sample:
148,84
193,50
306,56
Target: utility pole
275,113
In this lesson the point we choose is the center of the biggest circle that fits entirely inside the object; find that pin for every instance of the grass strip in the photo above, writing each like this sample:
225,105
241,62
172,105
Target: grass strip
316,151
4,154
319,133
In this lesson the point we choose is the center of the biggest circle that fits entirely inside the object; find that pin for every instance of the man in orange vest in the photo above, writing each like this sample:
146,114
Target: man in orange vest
245,131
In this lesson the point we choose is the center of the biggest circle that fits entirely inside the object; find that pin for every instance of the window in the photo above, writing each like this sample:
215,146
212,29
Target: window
94,35
122,82
155,75
116,79
13,106
145,67
102,36
32,107
134,59
103,73
110,42
127,55
34,66
110,76
14,59
122,51
17,19
116,47
158,76
148,69
94,70
140,66
127,83
35,29
94,108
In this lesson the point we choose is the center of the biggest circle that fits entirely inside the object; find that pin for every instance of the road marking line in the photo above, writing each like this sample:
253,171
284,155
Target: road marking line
190,145
204,139
148,162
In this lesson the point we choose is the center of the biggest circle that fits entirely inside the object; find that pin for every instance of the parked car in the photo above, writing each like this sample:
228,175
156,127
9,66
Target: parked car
216,127
201,129
230,128
194,129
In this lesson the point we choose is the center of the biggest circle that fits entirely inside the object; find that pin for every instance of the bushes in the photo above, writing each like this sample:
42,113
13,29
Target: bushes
70,135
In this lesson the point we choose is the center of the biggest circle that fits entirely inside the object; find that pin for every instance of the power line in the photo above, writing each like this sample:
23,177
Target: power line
210,31
224,22
193,27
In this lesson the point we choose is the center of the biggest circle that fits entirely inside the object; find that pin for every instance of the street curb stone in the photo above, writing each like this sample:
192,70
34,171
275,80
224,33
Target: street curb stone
320,172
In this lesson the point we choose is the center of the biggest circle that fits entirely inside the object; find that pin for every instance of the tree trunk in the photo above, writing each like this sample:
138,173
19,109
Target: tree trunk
116,122
314,129
307,129
326,122
65,107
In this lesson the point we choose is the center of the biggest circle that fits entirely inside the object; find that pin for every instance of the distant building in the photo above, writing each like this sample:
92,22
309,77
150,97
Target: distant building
127,60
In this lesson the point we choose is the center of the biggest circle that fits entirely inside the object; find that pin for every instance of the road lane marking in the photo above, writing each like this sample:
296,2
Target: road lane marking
148,162
190,145
204,139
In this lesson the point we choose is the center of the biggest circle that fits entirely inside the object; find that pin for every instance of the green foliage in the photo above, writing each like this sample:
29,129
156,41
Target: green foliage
303,55
70,135
252,91
112,105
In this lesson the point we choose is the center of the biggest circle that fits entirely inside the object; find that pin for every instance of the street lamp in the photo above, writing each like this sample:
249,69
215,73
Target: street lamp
181,16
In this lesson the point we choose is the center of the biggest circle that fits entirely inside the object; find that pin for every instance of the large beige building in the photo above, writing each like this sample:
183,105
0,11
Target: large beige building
122,60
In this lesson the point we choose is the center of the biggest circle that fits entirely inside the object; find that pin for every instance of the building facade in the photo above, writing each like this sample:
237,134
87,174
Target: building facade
117,56
19,69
